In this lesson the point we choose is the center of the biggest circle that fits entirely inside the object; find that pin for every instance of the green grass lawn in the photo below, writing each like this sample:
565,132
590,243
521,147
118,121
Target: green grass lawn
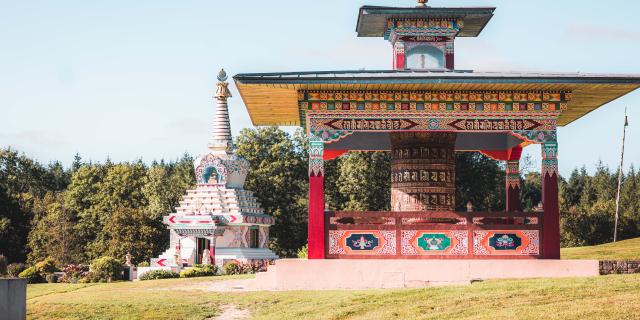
626,249
605,297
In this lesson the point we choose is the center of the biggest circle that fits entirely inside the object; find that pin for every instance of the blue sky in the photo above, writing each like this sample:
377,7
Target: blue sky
134,79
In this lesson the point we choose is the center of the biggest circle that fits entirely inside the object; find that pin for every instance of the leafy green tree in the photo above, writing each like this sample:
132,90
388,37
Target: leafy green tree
363,181
531,192
481,181
52,232
121,188
278,177
132,230
22,182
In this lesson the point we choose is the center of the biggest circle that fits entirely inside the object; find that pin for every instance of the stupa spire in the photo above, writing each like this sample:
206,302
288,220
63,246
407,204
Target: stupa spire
221,141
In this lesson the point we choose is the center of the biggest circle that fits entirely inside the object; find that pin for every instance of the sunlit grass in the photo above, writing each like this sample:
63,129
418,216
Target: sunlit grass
627,249
605,297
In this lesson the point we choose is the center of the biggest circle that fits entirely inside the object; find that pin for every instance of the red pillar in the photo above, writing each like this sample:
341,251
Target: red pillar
513,186
448,56
398,56
551,214
315,238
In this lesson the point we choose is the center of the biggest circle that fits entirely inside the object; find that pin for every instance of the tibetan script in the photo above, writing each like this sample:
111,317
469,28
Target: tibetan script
494,124
371,124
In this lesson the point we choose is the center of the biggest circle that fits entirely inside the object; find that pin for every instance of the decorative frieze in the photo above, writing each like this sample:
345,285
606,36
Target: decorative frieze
468,101
390,122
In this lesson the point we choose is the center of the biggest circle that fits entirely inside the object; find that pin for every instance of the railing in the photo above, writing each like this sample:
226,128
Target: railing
423,235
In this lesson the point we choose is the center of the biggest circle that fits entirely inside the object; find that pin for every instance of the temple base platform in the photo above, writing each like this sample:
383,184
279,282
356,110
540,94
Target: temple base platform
332,274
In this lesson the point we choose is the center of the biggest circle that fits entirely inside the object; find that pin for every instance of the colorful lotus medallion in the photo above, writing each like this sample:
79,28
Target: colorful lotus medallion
434,242
505,241
361,242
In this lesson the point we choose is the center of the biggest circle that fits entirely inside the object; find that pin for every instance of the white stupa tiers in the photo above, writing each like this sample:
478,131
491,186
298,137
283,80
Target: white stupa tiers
218,217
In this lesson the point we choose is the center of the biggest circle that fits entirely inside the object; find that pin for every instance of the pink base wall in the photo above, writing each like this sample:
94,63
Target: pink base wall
296,274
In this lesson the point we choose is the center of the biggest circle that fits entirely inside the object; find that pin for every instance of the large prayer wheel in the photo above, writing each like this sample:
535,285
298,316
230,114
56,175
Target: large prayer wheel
423,171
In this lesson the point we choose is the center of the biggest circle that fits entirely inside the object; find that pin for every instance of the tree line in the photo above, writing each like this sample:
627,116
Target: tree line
93,209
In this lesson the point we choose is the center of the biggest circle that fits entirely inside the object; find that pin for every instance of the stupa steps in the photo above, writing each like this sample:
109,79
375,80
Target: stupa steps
201,189
221,211
196,202
192,205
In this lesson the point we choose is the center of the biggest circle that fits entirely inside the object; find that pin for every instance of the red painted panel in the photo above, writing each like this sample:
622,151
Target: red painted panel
316,217
449,61
551,228
513,199
332,154
504,155
399,60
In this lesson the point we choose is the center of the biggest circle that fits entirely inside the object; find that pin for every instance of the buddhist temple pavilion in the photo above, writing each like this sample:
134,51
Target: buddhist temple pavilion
422,111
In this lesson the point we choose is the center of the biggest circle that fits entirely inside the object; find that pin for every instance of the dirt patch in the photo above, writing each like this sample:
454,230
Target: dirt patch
230,312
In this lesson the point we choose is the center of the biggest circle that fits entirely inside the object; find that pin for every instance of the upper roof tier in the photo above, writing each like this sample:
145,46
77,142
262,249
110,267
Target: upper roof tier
373,20
272,98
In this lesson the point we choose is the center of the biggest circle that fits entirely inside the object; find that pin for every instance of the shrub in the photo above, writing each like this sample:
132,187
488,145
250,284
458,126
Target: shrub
143,264
256,266
46,266
199,271
51,278
303,252
233,267
159,274
73,273
236,267
32,275
14,269
106,268
90,277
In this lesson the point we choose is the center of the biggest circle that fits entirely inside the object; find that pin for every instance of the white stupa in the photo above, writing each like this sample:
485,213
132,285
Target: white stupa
218,218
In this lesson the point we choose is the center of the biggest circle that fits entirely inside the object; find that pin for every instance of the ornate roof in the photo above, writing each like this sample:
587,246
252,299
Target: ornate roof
272,98
372,20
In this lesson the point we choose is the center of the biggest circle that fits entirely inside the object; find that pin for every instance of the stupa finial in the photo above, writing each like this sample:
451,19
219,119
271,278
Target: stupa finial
422,3
222,75
222,89
221,141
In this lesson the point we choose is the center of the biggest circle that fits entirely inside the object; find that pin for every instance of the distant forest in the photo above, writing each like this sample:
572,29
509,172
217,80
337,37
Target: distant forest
91,209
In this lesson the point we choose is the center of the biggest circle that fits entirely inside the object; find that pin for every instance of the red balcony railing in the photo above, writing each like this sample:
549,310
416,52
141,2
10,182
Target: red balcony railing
423,235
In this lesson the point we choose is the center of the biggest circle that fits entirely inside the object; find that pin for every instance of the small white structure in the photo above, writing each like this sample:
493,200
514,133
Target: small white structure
218,221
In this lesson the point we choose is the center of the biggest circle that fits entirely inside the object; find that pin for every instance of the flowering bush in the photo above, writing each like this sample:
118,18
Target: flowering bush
236,267
73,273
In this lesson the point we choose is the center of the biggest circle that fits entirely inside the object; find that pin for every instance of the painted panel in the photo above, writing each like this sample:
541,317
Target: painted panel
506,242
435,242
362,242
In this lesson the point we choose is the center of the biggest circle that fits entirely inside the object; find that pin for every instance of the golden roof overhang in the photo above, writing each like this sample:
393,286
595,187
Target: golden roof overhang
272,98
